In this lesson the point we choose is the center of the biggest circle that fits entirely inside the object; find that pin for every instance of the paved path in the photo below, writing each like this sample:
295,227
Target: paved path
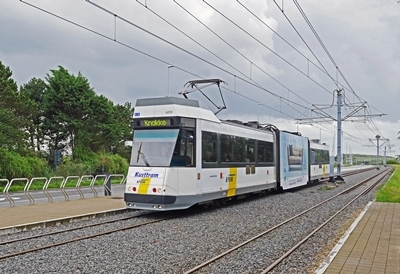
373,246
40,215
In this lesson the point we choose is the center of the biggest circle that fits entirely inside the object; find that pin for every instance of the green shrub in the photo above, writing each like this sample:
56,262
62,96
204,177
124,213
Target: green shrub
391,162
14,165
70,168
110,163
39,167
100,163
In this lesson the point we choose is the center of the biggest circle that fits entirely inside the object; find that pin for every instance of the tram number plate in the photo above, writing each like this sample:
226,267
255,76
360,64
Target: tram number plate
141,181
229,179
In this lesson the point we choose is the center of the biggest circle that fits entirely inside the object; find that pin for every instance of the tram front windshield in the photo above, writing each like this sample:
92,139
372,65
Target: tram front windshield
153,147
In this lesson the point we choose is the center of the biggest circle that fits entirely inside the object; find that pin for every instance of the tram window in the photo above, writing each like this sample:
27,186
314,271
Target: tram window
238,149
189,148
184,153
312,156
265,152
321,156
226,148
249,149
153,147
326,156
209,146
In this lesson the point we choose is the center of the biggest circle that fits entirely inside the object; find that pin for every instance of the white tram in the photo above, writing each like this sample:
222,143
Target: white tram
183,155
319,161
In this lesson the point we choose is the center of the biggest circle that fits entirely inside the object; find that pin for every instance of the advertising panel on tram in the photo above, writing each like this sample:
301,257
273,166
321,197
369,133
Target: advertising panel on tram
294,160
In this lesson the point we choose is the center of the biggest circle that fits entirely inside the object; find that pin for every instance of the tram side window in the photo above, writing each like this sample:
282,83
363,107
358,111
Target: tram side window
226,148
184,154
265,152
312,156
209,147
325,156
249,150
238,149
321,156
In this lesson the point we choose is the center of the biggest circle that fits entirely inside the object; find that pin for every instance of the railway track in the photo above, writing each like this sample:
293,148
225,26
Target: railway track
81,238
93,235
351,172
381,175
73,229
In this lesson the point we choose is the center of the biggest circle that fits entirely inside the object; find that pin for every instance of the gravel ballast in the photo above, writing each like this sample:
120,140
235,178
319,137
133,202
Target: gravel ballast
177,245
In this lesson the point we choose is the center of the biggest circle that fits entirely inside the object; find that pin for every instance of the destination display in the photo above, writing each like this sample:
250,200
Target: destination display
164,122
156,123
159,122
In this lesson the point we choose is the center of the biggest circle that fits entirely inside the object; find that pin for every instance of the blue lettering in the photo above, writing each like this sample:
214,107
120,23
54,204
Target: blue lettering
146,174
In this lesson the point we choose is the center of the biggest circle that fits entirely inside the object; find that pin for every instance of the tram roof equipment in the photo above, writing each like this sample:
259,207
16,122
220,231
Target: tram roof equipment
196,85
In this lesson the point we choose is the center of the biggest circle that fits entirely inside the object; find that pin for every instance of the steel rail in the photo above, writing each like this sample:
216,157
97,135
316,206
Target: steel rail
72,229
134,226
10,255
192,270
284,256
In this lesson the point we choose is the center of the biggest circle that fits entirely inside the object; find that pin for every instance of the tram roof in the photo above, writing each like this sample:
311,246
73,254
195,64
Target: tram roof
151,107
169,101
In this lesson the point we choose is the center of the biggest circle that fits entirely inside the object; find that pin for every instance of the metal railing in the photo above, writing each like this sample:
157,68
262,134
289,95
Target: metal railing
62,188
45,187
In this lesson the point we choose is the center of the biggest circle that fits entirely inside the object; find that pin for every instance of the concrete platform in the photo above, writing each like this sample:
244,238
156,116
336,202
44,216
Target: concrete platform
22,218
371,245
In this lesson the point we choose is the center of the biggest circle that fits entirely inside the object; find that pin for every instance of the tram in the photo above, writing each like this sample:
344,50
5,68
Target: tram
183,155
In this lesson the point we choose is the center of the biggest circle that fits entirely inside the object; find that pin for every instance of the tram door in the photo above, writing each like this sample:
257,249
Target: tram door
184,158
184,149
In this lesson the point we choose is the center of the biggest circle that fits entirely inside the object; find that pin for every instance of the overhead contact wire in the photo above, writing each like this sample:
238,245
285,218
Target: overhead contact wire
188,52
141,52
287,42
279,56
324,48
241,54
215,55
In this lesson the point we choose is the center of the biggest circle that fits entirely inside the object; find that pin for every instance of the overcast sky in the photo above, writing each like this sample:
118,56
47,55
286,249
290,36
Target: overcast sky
361,36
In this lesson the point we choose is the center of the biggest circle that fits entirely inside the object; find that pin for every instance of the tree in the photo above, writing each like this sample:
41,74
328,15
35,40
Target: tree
75,117
34,90
123,119
61,113
14,111
66,108
98,126
108,127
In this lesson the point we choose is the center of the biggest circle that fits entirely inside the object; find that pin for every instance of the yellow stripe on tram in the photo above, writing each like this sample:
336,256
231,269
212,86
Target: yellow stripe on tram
231,179
144,185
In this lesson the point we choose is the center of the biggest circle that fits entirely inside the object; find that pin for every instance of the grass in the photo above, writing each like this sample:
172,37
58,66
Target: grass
325,188
329,186
390,193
